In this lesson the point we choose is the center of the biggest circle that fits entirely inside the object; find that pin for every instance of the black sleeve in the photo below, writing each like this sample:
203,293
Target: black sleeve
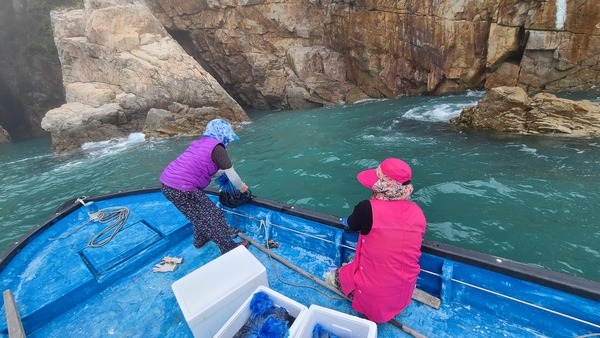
220,157
361,218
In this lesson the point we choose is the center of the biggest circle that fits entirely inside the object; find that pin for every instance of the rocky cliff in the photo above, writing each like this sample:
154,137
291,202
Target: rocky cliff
30,74
119,63
270,54
260,50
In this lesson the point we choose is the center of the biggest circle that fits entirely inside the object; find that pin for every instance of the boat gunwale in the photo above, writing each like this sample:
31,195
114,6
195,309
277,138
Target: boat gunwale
538,275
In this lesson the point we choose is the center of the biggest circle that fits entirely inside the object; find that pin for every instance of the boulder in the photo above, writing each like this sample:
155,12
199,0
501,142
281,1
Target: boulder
75,123
511,110
119,63
177,118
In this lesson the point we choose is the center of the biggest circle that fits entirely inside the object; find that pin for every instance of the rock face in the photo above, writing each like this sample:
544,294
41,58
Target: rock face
272,54
510,109
118,63
284,55
4,136
30,74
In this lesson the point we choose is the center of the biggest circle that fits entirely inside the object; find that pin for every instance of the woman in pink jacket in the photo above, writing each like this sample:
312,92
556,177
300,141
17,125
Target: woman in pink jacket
382,276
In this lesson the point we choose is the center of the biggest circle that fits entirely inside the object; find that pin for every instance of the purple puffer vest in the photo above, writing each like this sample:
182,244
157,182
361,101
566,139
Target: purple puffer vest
194,168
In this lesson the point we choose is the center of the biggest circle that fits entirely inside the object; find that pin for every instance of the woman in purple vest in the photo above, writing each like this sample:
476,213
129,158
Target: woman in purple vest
183,179
381,278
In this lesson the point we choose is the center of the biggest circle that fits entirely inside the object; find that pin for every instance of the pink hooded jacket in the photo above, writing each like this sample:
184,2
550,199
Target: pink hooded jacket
384,271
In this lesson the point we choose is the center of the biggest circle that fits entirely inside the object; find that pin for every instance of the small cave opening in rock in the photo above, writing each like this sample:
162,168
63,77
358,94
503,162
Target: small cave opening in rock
186,41
522,37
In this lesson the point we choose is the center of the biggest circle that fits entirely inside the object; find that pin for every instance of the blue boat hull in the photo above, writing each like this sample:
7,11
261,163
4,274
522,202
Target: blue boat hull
64,287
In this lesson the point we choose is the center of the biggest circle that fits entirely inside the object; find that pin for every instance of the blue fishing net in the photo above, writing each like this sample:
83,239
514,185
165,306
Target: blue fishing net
320,332
229,195
266,319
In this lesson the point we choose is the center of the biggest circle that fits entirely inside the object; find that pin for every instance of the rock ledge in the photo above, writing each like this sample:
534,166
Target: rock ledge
510,109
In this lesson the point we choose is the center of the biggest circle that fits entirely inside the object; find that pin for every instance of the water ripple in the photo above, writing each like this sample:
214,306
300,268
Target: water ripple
529,198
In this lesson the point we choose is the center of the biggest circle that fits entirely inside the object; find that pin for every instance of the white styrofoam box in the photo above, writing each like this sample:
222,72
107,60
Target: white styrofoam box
340,324
241,316
210,295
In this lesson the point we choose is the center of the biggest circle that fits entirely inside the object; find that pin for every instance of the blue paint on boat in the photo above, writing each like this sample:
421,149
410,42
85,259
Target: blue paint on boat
63,287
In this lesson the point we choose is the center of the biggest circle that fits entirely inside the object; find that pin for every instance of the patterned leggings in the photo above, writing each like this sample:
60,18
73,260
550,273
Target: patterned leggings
208,220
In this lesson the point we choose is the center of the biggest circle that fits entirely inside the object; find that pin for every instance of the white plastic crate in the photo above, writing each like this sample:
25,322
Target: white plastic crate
241,316
210,295
340,324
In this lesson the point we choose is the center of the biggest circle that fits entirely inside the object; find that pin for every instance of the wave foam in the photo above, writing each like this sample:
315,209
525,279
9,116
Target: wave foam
439,113
111,146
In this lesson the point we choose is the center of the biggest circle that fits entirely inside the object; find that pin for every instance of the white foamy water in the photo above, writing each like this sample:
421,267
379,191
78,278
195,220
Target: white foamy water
103,148
115,144
442,112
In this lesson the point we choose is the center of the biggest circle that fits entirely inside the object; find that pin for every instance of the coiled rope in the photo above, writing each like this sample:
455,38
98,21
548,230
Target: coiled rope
116,217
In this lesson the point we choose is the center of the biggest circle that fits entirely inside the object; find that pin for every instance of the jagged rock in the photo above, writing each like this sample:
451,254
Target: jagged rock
76,123
507,74
549,114
510,109
4,136
118,63
176,120
319,74
503,42
157,121
389,48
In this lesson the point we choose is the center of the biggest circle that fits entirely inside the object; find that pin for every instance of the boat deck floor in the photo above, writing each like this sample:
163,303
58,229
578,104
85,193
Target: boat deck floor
96,301
144,304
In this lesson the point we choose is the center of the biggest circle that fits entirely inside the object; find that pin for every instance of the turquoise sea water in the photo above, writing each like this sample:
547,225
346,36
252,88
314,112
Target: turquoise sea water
527,198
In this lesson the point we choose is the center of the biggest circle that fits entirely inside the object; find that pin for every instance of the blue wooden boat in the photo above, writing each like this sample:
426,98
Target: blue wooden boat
74,277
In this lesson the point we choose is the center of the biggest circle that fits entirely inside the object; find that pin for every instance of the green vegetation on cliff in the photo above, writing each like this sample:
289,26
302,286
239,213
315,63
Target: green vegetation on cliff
53,4
30,73
37,17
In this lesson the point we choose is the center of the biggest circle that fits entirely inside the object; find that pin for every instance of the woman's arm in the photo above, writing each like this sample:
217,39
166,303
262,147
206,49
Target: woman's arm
221,158
361,218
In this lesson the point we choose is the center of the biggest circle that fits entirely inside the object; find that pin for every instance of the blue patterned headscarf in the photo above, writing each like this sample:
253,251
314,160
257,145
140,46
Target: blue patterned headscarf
221,130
